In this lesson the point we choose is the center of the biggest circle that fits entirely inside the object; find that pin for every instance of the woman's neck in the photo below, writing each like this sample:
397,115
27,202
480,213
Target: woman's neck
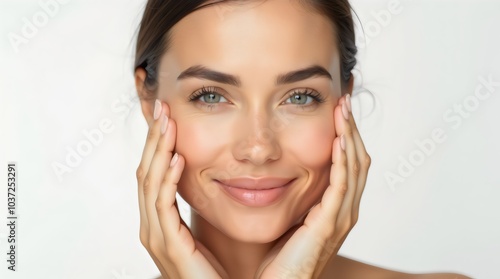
239,259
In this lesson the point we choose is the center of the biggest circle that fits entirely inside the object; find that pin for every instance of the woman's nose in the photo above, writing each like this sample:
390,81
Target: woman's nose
256,141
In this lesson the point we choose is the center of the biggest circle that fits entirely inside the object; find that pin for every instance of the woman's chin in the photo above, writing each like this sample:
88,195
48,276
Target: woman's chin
264,232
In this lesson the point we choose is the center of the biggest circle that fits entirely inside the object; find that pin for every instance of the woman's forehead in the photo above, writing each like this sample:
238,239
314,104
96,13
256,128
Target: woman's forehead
275,34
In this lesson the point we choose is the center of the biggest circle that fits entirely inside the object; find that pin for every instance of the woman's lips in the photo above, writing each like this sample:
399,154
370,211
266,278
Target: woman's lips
255,197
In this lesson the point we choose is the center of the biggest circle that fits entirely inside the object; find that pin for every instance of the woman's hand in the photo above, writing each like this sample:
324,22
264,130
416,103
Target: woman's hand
305,250
162,231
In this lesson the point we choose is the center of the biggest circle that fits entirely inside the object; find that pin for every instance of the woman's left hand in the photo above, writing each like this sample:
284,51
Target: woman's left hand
305,250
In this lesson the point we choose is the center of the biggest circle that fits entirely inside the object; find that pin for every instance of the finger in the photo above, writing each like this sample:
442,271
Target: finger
364,158
166,205
152,138
147,155
150,146
156,173
323,216
334,239
298,258
182,247
343,128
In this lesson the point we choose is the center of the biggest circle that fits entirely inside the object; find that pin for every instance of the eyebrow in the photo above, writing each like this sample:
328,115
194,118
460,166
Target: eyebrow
202,72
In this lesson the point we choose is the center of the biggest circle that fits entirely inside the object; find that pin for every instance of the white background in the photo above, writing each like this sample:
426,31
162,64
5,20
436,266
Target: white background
75,71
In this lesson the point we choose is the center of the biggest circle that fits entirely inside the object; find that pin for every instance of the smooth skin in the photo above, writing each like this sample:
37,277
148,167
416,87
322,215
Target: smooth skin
255,43
178,255
303,251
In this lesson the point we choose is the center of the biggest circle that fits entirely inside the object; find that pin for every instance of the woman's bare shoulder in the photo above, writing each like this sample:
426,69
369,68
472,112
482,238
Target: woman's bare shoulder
345,268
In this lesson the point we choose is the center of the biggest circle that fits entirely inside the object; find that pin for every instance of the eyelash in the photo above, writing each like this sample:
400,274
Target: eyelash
204,91
316,96
212,90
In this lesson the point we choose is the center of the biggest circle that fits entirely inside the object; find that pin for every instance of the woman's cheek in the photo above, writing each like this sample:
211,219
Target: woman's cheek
201,144
200,141
311,142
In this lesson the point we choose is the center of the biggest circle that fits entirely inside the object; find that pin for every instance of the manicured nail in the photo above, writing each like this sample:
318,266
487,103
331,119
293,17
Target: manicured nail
174,160
164,124
345,112
342,142
348,102
157,110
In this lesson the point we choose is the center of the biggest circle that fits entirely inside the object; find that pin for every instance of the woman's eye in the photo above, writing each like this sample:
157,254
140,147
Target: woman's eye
211,98
300,99
208,95
305,98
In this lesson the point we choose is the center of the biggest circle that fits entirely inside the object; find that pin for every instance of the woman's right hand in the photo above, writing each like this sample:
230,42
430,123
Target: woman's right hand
162,231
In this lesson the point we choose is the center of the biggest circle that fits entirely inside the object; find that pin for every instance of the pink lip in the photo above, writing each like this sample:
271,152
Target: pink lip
256,192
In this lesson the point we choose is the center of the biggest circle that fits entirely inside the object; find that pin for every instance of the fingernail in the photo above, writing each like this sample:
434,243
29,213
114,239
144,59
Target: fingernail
164,124
348,102
345,112
342,142
174,160
157,110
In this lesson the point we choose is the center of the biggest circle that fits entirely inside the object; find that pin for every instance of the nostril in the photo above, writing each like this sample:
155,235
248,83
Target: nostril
258,148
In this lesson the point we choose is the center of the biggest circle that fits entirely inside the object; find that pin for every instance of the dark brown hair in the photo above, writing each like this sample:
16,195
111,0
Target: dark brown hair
160,16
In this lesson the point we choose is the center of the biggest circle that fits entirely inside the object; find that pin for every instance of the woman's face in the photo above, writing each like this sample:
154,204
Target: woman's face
251,126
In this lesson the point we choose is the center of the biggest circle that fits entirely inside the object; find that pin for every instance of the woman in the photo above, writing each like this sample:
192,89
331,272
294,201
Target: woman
253,98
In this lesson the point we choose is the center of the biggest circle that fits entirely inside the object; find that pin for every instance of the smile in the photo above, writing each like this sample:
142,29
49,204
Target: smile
255,197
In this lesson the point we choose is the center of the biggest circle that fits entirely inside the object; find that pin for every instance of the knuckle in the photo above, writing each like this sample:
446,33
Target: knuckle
139,173
349,133
158,151
152,134
143,237
146,185
342,189
159,205
367,160
155,246
330,245
348,229
343,160
354,218
356,168
346,226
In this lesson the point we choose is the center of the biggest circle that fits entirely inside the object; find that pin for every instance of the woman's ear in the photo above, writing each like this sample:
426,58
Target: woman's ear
147,103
